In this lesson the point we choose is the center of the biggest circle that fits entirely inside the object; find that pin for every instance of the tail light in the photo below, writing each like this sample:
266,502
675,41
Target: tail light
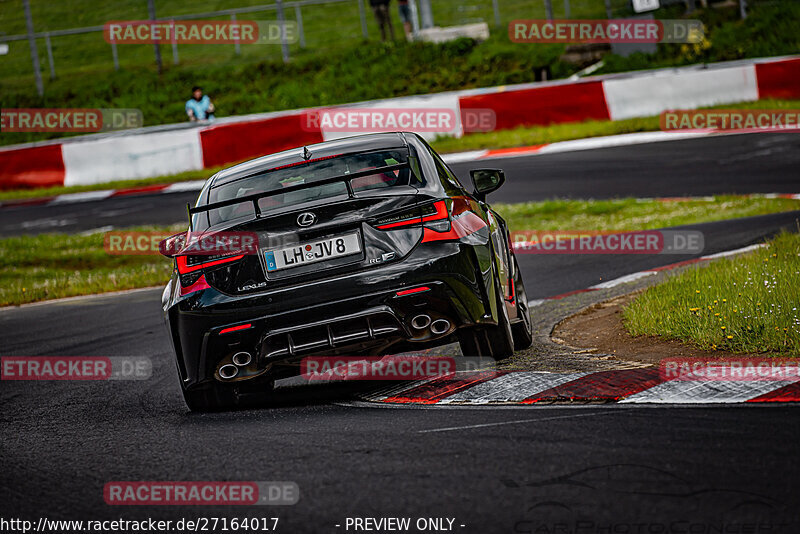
430,212
462,221
190,268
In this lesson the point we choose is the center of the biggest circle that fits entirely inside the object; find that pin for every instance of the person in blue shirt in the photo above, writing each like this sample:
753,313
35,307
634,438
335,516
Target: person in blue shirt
199,107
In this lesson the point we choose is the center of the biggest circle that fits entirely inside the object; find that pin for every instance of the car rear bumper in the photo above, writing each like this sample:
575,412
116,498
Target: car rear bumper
363,313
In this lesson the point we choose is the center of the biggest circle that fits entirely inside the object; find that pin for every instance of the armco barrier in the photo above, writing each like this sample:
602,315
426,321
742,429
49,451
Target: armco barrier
567,102
679,89
237,141
779,79
126,157
175,148
29,167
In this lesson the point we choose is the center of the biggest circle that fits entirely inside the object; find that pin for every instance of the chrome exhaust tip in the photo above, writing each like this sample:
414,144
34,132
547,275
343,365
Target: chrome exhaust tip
440,326
228,371
421,321
242,359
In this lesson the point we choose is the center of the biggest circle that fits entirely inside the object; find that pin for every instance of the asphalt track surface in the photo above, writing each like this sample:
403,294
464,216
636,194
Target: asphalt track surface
746,163
588,469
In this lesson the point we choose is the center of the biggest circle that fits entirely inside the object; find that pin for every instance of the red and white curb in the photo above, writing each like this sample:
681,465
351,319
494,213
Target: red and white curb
648,272
624,386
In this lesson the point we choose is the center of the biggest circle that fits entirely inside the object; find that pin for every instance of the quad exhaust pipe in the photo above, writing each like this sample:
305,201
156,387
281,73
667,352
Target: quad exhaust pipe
240,360
421,321
228,371
436,327
440,326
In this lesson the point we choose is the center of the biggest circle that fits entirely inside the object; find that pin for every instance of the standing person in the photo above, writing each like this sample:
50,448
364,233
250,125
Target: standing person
404,10
199,107
381,10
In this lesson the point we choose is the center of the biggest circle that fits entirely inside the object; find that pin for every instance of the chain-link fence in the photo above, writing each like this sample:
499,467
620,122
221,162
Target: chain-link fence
322,25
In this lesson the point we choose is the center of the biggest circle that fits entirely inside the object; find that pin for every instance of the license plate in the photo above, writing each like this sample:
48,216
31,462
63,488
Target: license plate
305,253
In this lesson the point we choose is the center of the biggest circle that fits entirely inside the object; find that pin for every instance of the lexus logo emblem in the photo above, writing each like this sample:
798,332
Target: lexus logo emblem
306,219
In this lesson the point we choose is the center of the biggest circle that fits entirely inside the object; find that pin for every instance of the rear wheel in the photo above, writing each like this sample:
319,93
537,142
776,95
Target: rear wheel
523,330
493,341
221,397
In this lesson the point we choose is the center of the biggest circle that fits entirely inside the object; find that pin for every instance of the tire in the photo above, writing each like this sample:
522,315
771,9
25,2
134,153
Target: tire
211,398
222,397
523,330
500,337
493,341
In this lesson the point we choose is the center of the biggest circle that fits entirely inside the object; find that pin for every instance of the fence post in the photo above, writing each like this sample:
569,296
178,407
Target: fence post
609,13
282,24
174,43
566,9
496,8
363,18
743,9
114,54
34,52
299,17
50,55
151,11
548,9
237,46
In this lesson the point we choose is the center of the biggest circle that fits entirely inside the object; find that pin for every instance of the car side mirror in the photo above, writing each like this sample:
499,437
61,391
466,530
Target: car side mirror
486,180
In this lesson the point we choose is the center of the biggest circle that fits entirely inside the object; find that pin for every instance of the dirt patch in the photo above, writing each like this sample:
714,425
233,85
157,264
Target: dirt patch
599,329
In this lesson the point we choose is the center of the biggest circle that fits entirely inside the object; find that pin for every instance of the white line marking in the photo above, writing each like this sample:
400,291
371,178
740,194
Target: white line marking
192,185
623,279
536,302
733,252
519,421
82,197
459,157
99,230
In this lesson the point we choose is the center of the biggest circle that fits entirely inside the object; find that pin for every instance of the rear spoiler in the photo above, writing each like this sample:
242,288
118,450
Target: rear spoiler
255,197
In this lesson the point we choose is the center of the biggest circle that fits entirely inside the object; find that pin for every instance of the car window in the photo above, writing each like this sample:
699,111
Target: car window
276,180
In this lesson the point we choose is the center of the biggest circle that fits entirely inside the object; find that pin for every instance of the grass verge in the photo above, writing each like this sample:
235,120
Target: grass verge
50,266
743,304
524,136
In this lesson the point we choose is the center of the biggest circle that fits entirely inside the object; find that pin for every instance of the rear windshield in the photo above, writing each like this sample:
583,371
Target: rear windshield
307,173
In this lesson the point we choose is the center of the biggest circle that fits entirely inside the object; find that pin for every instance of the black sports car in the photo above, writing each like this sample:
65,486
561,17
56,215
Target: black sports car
368,245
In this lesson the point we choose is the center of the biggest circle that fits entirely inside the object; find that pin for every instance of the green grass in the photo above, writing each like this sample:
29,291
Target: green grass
633,214
49,266
743,304
338,66
523,136
21,194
